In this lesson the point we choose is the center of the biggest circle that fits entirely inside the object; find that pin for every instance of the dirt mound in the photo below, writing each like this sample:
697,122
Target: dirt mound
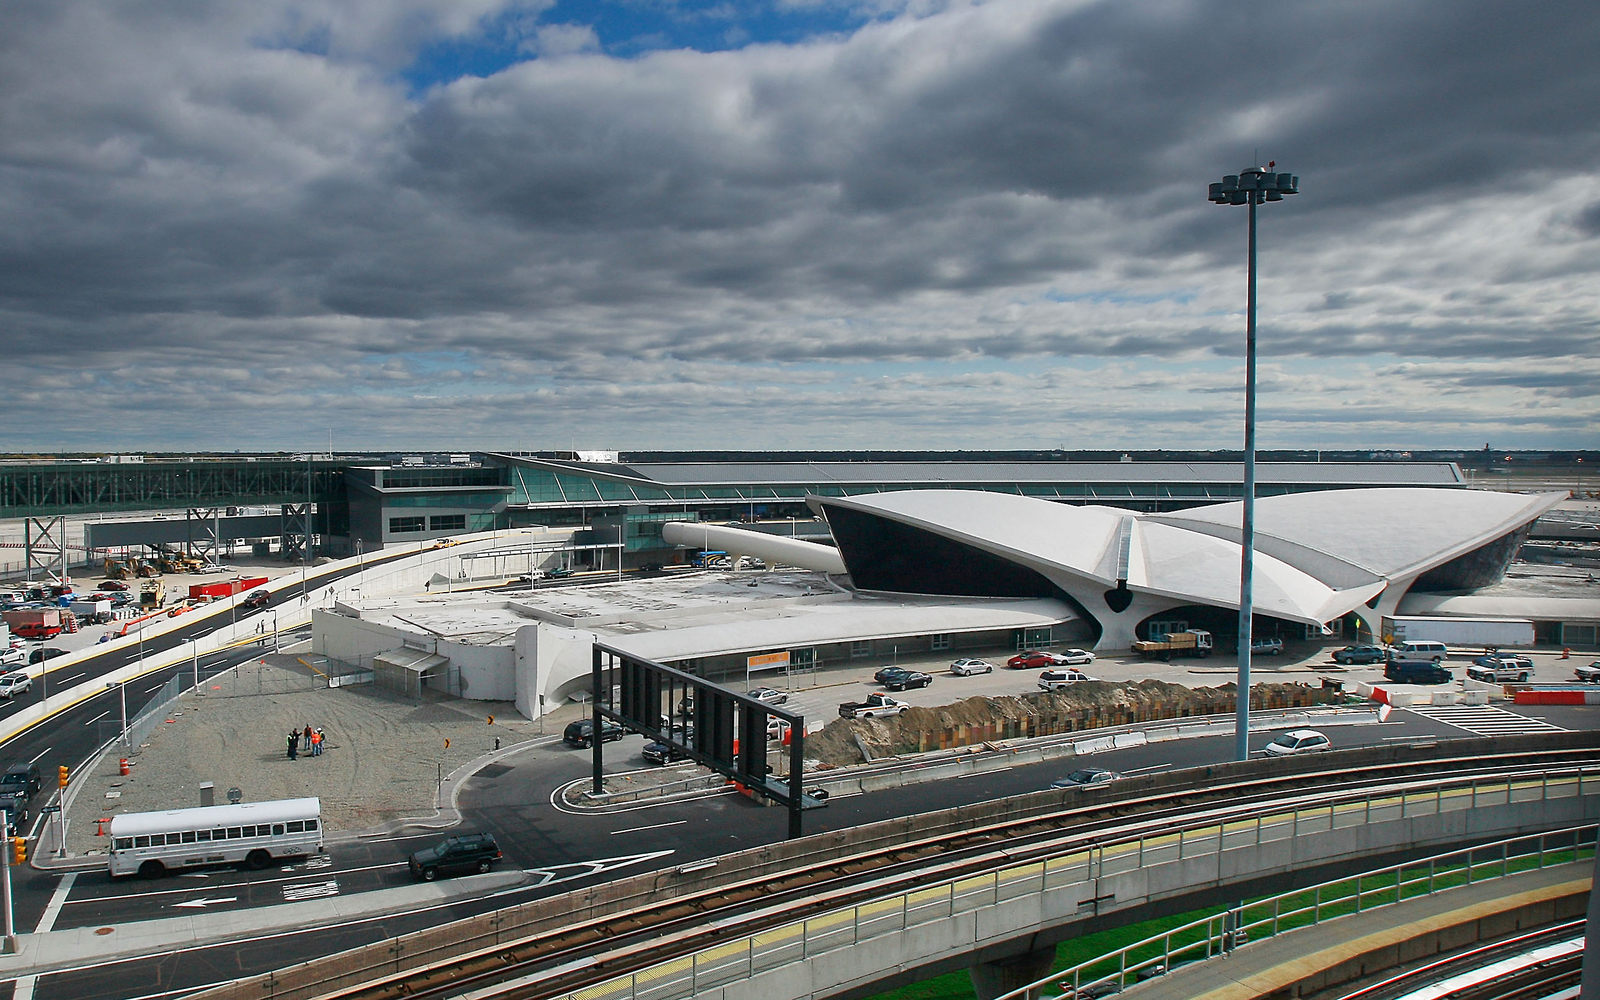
1083,706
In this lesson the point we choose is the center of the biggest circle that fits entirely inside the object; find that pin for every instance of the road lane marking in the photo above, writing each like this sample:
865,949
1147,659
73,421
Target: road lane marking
310,890
202,903
98,717
41,754
137,894
158,687
63,683
658,826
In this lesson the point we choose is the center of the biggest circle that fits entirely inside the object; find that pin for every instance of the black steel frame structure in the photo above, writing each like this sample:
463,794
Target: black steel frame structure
730,729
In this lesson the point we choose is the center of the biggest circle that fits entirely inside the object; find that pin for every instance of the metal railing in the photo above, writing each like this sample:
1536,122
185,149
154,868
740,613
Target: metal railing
1258,920
155,710
846,927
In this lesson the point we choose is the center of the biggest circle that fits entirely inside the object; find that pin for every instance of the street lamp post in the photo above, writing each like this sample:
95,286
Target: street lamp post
1250,187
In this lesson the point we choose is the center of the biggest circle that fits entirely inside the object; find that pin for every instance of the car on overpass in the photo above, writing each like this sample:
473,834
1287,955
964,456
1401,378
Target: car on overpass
13,684
1297,741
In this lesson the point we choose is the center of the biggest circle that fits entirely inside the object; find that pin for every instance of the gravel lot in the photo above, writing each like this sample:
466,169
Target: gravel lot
381,762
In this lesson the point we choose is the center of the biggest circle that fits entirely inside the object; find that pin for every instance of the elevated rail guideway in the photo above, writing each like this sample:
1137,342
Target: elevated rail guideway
991,884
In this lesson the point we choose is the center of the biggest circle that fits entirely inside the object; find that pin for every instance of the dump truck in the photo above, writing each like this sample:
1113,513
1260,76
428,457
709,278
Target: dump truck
1166,645
35,623
153,594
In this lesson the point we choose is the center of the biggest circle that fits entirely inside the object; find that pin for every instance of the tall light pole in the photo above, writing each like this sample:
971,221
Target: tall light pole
1250,187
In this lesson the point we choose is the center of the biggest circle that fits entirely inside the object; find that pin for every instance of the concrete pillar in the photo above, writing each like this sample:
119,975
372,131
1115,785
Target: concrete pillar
997,978
1589,982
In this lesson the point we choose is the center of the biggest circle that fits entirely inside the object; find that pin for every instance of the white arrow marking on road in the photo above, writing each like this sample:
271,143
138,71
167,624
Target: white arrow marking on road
581,869
199,903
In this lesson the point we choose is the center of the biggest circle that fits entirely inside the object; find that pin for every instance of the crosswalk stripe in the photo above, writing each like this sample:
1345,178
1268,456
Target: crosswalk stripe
1484,720
310,890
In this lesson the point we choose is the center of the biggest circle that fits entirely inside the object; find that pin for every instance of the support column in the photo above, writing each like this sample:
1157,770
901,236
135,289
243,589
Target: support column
997,978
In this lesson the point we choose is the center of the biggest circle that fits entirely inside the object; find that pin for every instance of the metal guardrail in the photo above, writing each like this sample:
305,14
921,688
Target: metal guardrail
802,940
1221,933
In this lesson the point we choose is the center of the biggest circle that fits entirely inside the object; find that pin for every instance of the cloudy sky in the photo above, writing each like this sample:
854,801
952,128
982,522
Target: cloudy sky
794,224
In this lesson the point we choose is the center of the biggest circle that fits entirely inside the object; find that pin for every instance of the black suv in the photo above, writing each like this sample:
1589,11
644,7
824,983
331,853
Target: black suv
1417,672
469,852
21,779
580,734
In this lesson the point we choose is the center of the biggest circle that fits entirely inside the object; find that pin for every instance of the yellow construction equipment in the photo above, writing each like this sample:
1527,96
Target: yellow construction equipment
117,570
153,594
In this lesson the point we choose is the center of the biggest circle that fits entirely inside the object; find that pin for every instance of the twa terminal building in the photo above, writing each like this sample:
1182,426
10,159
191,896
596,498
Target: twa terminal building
1322,557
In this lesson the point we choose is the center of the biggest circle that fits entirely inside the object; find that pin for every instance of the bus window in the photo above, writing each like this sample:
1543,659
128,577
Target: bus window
277,829
202,835
219,834
233,833
174,838
124,843
297,826
141,841
188,836
311,824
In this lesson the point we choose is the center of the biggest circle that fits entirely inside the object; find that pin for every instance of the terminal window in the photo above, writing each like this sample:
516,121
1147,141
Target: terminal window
941,641
860,648
399,525
448,522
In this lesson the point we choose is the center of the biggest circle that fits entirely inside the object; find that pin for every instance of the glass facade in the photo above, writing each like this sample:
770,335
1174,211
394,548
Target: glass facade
890,556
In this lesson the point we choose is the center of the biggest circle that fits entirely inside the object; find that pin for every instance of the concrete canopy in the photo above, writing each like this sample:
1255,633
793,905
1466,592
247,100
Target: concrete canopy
1319,555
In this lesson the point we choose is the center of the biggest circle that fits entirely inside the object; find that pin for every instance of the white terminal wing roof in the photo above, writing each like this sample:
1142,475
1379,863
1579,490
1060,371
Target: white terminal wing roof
1034,532
1340,535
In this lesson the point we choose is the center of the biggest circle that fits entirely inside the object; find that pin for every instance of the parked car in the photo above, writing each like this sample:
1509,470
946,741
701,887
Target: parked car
967,666
13,656
22,779
1417,672
1297,741
1085,777
1074,657
1031,660
1423,649
466,852
907,679
14,684
1360,654
1501,667
44,653
1061,677
885,672
112,585
1589,674
580,734
1266,647
770,696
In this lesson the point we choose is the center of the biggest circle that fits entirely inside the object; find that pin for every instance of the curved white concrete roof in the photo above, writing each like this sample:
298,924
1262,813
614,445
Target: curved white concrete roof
1319,555
1388,533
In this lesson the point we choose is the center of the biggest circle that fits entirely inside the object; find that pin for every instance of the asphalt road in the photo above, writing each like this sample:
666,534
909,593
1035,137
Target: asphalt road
514,802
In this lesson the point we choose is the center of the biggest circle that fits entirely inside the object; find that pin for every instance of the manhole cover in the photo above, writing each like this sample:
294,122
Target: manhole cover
493,771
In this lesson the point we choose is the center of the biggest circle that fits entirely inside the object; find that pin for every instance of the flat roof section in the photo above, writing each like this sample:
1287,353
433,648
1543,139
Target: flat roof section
710,614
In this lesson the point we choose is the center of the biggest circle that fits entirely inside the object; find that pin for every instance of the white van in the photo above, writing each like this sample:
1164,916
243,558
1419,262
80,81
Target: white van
1423,649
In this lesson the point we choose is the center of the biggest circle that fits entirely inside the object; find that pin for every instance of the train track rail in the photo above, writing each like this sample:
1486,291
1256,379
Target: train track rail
563,960
1529,966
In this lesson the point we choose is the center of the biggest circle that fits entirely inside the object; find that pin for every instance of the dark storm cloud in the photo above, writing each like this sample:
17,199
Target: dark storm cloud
222,187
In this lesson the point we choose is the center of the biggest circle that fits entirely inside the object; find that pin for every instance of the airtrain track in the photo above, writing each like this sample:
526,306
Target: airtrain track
1508,969
557,962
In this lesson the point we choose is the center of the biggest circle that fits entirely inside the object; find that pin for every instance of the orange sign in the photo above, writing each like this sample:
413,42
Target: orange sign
768,661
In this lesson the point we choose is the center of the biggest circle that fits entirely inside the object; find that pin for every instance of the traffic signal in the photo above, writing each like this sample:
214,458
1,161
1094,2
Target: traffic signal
63,775
19,850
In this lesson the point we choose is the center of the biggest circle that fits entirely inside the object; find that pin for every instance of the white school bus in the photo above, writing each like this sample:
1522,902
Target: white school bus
252,833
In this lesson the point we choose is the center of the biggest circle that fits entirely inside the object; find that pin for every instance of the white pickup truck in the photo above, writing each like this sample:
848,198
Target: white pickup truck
1501,668
875,705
